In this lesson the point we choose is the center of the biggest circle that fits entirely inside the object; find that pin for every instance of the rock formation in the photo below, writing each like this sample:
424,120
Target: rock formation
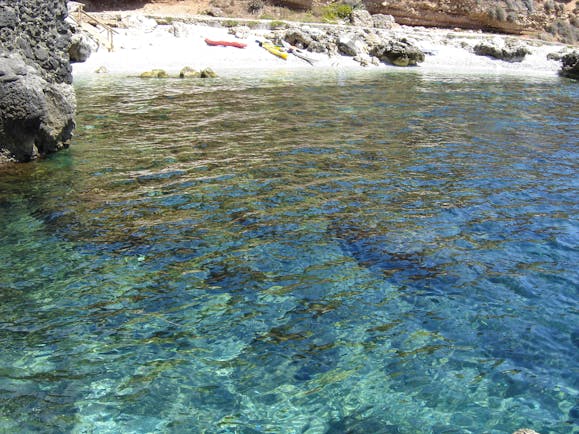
510,52
366,46
549,18
570,66
37,102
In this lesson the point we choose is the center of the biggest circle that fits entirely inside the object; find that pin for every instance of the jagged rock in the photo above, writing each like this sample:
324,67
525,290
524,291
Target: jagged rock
509,53
397,52
188,72
298,38
311,39
351,44
154,73
102,70
381,21
570,68
37,102
362,18
36,117
81,47
207,73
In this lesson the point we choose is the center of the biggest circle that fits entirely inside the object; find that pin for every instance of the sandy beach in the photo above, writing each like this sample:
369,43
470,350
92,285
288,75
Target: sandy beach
142,44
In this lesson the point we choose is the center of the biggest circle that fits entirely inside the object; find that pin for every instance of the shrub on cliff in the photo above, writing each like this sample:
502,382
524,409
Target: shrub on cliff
336,11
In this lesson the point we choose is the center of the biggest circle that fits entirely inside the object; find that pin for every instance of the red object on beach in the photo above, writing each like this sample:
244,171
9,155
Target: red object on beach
225,43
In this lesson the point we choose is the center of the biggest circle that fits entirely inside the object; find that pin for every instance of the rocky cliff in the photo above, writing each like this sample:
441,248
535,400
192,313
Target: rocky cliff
549,19
37,101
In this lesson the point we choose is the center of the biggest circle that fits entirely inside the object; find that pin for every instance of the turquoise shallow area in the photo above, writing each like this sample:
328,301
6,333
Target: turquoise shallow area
368,253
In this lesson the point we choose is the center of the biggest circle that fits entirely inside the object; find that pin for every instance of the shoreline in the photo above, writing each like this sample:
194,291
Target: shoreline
145,42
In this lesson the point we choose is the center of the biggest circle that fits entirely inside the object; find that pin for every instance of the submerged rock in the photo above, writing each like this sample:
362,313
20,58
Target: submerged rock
155,73
207,73
188,72
570,68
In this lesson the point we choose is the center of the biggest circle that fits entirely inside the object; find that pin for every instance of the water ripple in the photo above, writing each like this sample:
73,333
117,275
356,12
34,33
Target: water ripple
349,254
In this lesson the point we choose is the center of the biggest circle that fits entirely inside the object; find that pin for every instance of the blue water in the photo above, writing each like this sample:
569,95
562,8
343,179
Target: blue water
342,253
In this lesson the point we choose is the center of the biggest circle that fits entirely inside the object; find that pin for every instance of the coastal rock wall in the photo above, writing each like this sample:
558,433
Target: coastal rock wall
37,102
549,19
553,19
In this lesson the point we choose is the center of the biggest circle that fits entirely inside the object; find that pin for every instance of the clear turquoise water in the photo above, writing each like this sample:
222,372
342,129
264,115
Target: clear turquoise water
284,254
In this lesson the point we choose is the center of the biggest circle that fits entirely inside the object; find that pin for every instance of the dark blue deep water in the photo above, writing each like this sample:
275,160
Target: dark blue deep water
370,253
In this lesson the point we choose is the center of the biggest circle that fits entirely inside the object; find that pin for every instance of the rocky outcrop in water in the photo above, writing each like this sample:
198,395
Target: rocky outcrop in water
37,102
570,68
510,52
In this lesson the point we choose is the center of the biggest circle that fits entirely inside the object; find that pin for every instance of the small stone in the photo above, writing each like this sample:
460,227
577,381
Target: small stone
155,73
525,431
188,72
207,73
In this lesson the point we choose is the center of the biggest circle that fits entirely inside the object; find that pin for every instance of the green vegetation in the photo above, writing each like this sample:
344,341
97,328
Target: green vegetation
564,30
230,23
336,11
254,6
278,25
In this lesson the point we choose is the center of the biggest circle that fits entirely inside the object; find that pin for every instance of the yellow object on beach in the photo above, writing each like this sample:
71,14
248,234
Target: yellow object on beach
273,49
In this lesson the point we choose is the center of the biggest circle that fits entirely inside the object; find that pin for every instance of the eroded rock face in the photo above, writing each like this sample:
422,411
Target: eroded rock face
36,117
37,102
570,68
556,19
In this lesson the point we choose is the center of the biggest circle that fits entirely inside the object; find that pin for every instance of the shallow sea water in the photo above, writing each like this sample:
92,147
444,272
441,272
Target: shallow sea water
342,253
